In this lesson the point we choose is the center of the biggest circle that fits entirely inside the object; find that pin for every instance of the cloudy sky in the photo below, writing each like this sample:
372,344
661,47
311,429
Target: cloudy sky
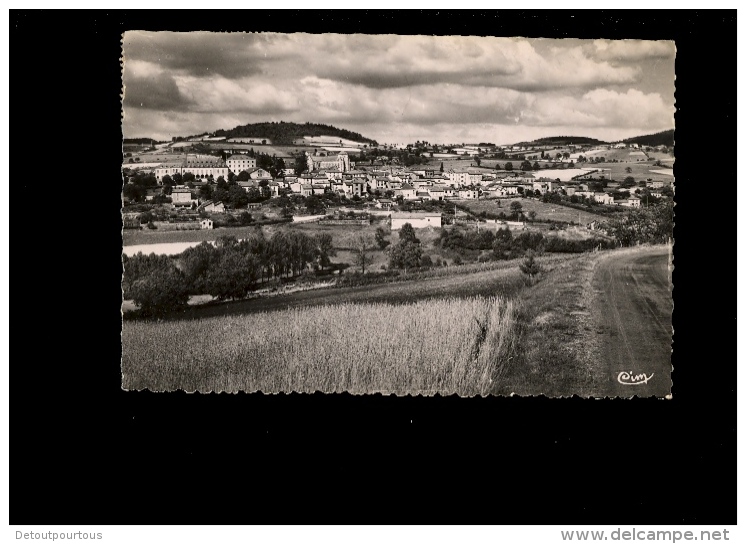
398,89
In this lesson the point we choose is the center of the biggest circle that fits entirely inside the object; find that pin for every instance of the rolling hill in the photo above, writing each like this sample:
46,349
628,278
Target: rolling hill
284,133
652,140
562,141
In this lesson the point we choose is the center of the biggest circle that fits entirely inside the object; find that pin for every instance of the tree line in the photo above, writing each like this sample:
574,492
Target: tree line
229,269
651,225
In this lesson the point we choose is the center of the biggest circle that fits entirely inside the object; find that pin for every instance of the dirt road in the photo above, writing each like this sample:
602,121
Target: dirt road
632,309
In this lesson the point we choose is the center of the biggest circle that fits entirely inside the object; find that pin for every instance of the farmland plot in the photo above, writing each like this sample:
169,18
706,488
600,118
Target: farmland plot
447,346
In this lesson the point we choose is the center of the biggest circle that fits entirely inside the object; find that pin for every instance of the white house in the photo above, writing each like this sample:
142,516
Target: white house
408,192
260,173
181,196
604,198
458,177
417,220
468,194
634,202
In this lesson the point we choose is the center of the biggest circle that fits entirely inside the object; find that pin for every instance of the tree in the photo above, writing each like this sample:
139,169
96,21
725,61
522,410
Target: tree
529,266
205,192
324,249
509,166
407,234
361,252
245,218
234,273
516,207
629,181
167,180
237,197
441,167
381,238
314,206
628,169
532,215
405,255
478,160
503,243
154,283
536,166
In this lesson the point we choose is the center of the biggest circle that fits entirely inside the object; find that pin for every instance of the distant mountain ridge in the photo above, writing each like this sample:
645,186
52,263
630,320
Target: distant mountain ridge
562,140
284,133
652,140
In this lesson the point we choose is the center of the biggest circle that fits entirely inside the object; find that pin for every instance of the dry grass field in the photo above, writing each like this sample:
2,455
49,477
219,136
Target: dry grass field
544,211
446,346
640,171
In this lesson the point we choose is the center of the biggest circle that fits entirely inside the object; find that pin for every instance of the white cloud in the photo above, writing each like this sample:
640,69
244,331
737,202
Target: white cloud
630,50
421,86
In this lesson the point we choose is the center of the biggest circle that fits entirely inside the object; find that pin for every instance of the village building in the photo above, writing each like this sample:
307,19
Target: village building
213,207
359,187
202,166
340,162
407,192
417,220
131,220
181,196
469,194
239,163
258,173
459,178
633,202
604,198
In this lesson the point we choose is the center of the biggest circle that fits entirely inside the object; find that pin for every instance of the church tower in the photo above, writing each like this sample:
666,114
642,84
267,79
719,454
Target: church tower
343,162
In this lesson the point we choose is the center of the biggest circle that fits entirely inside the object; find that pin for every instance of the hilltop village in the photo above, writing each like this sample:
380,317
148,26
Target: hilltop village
196,179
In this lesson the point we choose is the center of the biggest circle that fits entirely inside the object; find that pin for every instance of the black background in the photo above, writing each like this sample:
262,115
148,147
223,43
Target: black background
84,451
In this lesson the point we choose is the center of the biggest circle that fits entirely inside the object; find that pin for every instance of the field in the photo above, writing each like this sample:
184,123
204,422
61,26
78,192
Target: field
660,156
617,171
544,211
446,346
622,155
564,174
137,237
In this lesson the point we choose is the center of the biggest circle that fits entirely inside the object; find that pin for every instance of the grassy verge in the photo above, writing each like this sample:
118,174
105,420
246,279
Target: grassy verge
555,354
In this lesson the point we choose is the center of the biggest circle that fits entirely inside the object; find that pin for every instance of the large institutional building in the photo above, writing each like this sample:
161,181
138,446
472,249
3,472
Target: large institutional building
202,166
341,162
